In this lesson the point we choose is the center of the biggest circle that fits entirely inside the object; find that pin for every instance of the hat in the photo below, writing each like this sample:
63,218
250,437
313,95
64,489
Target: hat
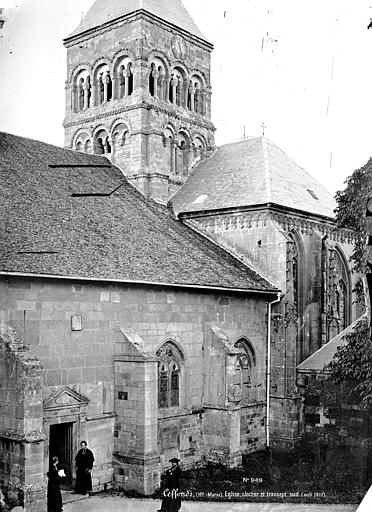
174,460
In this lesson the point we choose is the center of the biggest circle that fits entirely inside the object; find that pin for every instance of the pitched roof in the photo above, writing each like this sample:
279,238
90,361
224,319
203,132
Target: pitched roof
322,357
172,11
48,227
251,172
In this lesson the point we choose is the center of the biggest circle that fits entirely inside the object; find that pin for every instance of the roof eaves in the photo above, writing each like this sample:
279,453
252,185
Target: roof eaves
76,35
247,208
259,291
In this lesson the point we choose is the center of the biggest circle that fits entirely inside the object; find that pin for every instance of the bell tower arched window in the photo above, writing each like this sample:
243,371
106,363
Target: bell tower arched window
129,78
169,376
82,91
102,143
152,79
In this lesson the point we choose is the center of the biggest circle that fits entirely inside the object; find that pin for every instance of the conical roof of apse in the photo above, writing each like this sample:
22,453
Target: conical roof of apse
104,11
252,172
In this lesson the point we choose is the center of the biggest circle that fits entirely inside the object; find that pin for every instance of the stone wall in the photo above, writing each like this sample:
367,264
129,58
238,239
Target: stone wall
22,471
252,423
75,329
181,436
268,240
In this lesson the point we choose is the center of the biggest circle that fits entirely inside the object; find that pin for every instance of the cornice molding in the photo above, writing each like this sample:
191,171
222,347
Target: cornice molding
70,41
208,125
287,221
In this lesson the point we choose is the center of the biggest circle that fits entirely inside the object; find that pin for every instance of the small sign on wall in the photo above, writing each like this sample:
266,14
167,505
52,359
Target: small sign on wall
76,323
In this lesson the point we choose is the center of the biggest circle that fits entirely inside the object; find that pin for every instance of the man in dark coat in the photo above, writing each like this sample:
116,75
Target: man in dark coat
171,498
84,464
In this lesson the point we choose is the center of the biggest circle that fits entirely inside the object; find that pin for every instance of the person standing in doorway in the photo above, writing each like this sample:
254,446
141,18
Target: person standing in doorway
54,496
84,465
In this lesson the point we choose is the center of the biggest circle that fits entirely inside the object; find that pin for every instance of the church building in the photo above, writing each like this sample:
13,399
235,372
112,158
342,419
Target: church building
157,293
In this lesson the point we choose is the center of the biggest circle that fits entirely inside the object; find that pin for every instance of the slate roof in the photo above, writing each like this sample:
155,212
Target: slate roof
251,172
104,11
322,357
122,236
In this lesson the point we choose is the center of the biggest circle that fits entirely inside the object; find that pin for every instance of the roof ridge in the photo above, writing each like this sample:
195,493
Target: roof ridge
266,169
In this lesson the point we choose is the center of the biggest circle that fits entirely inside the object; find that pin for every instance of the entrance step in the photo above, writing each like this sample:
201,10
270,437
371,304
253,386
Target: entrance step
70,496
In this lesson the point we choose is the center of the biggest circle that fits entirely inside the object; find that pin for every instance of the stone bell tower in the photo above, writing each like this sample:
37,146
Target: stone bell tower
138,90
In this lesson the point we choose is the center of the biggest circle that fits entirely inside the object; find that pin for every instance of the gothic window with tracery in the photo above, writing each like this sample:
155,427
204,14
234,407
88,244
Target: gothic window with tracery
339,299
169,373
293,269
295,279
246,362
341,303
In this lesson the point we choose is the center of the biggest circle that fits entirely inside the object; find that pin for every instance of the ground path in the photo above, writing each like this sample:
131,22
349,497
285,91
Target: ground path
103,503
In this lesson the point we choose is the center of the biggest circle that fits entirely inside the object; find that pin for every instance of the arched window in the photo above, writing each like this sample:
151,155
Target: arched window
246,362
199,146
295,278
197,101
169,375
152,78
293,269
81,142
88,146
161,83
340,282
130,79
102,144
81,94
108,87
100,89
122,71
183,154
341,304
121,82
170,145
82,91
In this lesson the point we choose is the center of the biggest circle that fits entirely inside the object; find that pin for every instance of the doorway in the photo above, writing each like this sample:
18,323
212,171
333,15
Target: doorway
60,444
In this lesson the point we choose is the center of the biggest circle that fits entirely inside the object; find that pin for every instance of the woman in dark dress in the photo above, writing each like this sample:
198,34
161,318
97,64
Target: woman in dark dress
171,499
54,497
84,464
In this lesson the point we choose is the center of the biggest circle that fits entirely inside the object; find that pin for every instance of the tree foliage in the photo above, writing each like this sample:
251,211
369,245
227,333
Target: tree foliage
351,210
351,368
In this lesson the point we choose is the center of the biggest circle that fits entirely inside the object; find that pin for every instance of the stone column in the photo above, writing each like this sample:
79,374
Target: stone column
115,83
127,74
155,75
94,100
106,81
173,84
22,471
136,459
161,87
192,98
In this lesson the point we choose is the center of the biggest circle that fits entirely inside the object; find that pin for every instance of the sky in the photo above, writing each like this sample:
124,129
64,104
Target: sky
298,70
